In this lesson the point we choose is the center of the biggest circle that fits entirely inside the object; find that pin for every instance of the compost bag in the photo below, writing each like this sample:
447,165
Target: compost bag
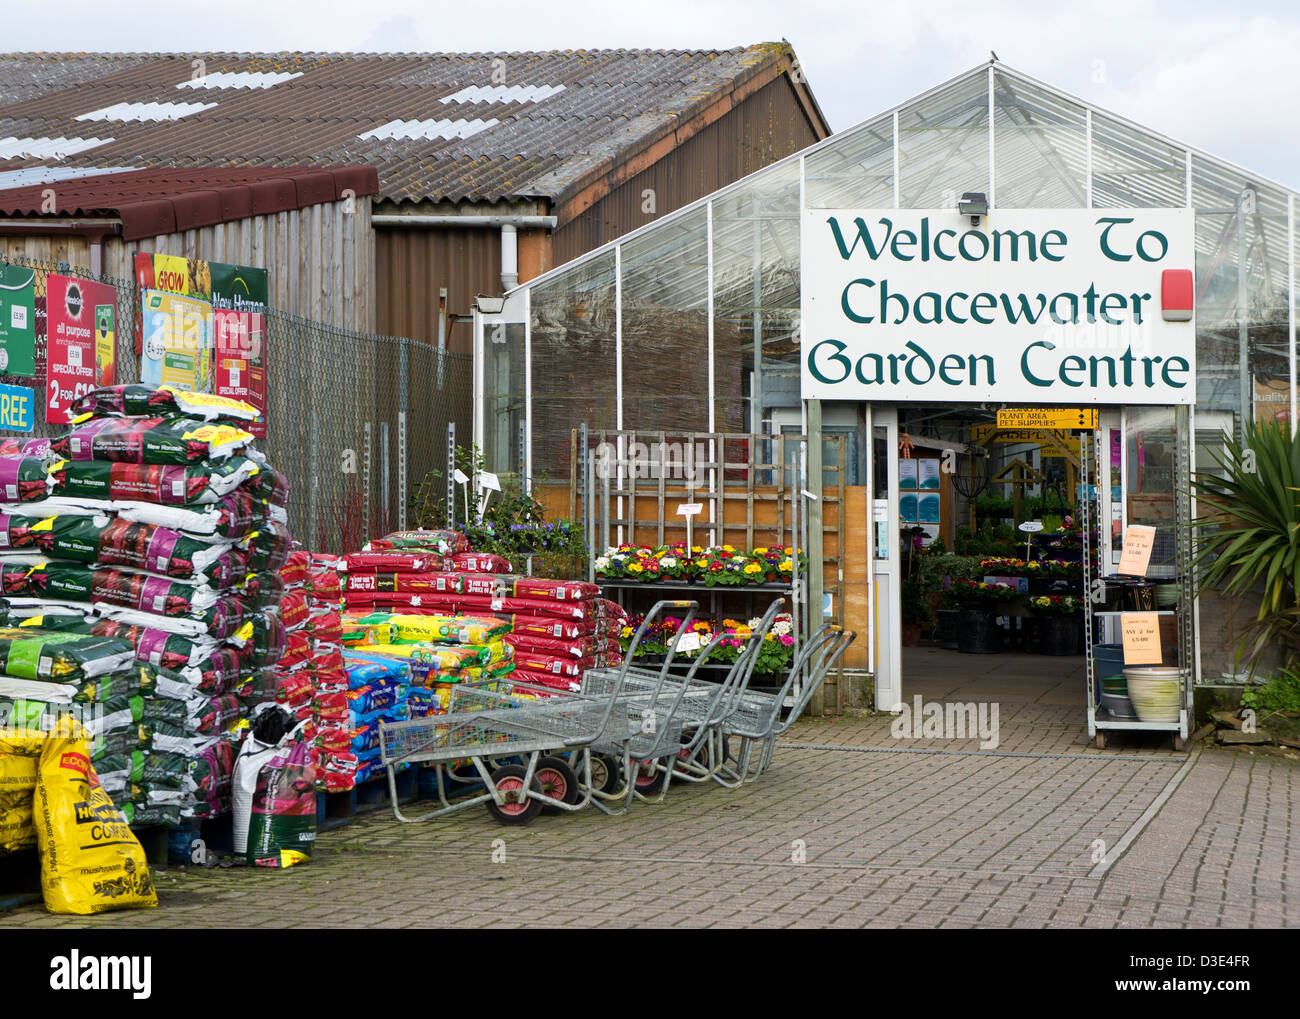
194,484
137,399
90,860
23,479
150,440
138,546
31,653
274,792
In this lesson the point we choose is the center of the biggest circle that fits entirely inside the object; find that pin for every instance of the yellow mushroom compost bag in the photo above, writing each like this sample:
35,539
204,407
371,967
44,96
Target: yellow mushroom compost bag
16,829
91,862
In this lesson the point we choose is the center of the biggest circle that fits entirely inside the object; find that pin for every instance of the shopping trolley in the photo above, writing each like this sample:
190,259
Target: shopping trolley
680,716
522,733
756,718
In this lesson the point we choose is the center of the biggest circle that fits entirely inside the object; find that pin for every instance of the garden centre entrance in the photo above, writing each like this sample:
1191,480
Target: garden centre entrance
997,536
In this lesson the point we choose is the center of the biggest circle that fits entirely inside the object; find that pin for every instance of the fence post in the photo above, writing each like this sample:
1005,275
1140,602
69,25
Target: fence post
383,476
451,469
401,436
365,478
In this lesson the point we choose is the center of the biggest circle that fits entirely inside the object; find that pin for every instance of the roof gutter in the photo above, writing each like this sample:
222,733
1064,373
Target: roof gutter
95,230
443,222
509,226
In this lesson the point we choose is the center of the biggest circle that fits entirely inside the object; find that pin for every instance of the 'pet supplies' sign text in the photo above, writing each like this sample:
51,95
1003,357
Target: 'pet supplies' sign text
1033,306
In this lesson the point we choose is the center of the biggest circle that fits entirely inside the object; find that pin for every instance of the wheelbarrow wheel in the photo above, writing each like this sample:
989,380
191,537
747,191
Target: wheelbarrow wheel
558,782
649,779
519,807
604,773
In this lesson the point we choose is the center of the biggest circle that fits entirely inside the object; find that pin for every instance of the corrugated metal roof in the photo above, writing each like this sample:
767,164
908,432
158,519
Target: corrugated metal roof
553,117
161,201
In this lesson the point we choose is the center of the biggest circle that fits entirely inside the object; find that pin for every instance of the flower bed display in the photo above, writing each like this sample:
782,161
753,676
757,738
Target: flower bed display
711,566
775,656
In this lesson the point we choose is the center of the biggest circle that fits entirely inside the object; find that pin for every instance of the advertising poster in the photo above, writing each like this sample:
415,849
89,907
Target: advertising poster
239,298
17,320
76,310
177,341
160,272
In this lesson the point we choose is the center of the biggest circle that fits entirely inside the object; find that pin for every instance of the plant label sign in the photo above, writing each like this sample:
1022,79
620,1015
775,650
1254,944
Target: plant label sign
1141,632
690,509
1136,556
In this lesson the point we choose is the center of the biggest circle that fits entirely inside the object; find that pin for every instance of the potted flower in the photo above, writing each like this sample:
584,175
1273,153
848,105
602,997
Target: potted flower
977,630
1057,616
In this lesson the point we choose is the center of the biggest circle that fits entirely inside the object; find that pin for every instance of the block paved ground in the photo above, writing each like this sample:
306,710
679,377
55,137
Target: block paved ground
911,834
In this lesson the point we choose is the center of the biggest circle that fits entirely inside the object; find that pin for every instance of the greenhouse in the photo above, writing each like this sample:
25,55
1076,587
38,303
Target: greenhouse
691,325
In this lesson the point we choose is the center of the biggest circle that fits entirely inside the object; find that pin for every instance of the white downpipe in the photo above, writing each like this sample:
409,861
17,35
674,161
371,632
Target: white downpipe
509,257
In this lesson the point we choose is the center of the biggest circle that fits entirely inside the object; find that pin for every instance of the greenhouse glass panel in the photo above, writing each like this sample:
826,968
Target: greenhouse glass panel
943,145
574,360
666,326
755,289
855,172
503,396
1134,169
1243,299
1040,147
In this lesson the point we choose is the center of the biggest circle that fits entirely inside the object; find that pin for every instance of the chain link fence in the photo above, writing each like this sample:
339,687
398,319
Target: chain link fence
358,422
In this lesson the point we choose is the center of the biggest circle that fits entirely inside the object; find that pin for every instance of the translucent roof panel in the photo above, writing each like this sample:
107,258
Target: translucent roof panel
856,173
1040,147
943,145
1134,169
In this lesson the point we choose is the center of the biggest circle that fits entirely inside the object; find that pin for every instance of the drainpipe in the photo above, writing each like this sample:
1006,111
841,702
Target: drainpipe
509,257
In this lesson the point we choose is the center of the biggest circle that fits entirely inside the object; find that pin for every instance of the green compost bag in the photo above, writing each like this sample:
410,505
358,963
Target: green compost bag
32,653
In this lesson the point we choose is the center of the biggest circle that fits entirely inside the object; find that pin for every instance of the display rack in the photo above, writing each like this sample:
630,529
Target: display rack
1096,621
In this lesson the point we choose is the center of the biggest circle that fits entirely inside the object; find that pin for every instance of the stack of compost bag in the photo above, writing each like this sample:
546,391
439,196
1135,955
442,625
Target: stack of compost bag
164,529
555,629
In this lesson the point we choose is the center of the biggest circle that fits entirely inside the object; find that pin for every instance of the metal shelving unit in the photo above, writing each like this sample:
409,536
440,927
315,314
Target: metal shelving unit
1099,719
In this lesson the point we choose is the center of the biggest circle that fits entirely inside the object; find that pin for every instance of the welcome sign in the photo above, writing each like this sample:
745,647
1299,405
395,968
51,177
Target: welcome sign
1065,306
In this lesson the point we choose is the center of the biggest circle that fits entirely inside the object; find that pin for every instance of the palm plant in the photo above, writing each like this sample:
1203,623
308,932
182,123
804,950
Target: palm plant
1249,534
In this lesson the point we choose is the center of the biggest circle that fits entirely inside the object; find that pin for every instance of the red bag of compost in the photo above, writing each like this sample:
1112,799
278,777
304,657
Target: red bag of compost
440,542
479,562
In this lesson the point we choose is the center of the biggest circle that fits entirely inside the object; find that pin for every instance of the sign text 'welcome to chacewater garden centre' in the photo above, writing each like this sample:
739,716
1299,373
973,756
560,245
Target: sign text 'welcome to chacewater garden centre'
1062,306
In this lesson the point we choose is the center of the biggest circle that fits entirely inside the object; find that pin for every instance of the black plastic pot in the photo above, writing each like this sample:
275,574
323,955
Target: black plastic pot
1058,635
947,628
978,632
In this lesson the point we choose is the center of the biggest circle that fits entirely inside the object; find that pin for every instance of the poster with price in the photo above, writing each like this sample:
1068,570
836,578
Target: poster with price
177,341
18,320
78,312
239,296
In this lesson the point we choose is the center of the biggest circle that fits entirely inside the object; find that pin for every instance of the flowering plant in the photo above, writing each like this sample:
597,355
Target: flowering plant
775,655
712,566
1055,604
968,591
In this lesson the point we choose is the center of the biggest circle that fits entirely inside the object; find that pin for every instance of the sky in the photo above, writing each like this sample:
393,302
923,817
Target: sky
1217,77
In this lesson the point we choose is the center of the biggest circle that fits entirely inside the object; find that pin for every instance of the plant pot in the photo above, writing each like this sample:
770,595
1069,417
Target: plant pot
1154,692
911,634
948,623
1058,635
978,632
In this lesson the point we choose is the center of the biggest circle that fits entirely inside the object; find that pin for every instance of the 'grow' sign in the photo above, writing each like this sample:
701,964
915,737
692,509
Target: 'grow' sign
1062,306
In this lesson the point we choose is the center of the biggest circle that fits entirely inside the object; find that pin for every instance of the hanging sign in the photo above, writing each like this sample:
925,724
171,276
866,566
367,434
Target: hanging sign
1138,542
1141,636
17,320
78,311
1063,418
1062,306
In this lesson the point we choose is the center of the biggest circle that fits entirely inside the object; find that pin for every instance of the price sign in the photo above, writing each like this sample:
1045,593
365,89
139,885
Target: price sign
690,509
1141,632
1138,542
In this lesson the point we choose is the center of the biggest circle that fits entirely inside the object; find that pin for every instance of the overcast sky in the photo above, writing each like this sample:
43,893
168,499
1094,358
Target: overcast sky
1220,77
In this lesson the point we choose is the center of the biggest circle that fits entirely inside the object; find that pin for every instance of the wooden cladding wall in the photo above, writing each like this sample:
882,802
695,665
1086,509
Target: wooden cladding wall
765,127
410,266
320,259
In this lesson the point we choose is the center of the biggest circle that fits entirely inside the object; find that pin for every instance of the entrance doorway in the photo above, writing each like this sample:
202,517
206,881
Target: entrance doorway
961,509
